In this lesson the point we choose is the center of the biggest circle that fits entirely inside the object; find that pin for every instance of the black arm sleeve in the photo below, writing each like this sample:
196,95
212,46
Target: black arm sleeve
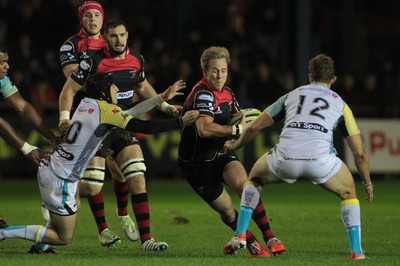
153,126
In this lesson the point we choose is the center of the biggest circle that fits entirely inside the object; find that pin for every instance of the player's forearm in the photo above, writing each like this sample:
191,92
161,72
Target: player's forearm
65,101
248,135
208,129
144,106
30,115
8,133
361,162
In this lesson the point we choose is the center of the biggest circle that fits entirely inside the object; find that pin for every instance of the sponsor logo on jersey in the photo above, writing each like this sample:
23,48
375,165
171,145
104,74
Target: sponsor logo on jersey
84,65
115,111
91,110
205,97
63,57
203,105
65,47
124,95
123,115
309,126
133,73
63,153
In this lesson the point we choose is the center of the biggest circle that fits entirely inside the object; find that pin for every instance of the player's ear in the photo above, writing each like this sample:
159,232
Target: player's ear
310,78
333,80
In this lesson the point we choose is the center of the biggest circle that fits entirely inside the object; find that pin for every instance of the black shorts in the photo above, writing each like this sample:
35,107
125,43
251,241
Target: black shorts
206,178
116,141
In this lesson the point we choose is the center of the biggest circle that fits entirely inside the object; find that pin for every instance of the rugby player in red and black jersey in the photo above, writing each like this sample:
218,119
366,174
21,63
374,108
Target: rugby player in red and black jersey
201,158
127,68
78,47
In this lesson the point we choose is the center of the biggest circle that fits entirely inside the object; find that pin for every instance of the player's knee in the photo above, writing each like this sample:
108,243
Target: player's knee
64,239
227,213
90,190
92,181
347,194
133,168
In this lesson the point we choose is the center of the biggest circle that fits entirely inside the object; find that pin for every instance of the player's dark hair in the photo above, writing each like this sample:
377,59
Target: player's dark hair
113,23
3,49
98,86
322,68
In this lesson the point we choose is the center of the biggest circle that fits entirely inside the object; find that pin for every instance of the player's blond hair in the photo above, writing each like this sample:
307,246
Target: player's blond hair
214,52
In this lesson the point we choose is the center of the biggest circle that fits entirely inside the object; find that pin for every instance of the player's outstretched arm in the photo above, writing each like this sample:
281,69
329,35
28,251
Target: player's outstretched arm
250,132
149,104
27,112
8,133
157,126
173,110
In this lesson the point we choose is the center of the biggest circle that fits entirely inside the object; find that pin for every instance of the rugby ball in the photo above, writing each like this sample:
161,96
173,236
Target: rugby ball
250,114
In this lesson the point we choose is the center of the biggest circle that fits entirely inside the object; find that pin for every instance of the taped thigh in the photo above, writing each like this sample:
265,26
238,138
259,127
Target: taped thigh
94,175
133,167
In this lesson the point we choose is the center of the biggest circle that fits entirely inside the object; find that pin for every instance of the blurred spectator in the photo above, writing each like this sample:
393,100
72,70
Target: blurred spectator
263,87
42,94
185,71
253,31
3,31
370,96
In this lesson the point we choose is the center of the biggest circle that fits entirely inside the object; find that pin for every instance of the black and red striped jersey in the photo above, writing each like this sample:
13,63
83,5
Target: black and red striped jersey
220,106
127,72
79,47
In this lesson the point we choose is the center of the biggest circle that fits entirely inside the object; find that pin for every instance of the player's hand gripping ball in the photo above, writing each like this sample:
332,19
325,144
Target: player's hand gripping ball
250,114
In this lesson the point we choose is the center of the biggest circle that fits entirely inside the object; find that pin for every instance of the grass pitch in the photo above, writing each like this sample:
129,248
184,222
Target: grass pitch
305,217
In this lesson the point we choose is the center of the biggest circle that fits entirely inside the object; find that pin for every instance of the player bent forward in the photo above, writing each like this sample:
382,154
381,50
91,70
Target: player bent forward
92,121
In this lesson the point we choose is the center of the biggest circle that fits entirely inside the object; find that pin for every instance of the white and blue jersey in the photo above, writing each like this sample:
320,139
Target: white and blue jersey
88,127
311,114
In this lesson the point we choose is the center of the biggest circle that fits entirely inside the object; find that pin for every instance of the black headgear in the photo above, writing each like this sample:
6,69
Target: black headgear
98,86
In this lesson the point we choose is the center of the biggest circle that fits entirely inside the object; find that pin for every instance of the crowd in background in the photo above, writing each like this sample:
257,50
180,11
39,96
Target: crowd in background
171,34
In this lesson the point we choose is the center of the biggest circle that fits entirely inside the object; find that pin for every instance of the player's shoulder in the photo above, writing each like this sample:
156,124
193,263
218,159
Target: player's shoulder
136,54
228,89
72,40
7,87
98,56
202,88
4,81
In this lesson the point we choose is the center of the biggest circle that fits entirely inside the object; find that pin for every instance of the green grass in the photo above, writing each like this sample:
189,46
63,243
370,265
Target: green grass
305,217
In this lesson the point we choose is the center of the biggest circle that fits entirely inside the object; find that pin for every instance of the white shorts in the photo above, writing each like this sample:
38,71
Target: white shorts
58,195
318,170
